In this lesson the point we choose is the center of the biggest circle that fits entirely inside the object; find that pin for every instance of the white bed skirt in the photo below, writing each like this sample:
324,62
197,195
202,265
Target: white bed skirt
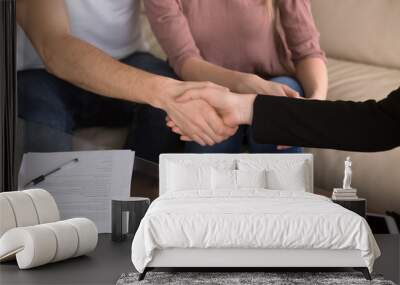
191,257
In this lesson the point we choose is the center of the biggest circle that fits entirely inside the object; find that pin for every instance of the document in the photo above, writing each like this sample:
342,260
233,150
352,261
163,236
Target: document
84,188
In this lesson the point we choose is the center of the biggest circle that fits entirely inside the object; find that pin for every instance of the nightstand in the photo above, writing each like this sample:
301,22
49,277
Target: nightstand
126,216
358,206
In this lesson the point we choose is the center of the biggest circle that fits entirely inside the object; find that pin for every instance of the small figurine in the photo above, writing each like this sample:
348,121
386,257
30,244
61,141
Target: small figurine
346,192
347,173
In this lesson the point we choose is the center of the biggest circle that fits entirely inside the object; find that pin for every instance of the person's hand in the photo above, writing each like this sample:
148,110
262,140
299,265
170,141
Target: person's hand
195,118
251,83
200,122
234,109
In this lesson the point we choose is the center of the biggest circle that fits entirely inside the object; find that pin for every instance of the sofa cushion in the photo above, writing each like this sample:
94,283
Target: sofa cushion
360,82
359,30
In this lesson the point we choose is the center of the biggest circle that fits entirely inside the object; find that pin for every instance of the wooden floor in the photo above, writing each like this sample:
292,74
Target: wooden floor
110,260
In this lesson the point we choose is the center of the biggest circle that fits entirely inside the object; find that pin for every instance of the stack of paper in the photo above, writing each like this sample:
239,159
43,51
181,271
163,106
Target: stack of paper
85,188
344,194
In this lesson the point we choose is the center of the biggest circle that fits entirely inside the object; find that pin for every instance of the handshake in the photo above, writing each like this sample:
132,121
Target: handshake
209,114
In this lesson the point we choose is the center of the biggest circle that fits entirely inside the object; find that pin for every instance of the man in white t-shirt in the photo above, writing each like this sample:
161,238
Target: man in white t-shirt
83,63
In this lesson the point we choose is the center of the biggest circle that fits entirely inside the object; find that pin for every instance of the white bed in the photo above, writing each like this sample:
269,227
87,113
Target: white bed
200,223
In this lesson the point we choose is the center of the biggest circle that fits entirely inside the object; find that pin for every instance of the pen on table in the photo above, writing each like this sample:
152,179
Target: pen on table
42,177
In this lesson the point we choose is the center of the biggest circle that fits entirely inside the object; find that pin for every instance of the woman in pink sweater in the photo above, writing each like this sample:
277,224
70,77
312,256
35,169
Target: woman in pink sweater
249,46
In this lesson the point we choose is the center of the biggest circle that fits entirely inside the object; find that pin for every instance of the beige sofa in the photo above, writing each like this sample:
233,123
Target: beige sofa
361,39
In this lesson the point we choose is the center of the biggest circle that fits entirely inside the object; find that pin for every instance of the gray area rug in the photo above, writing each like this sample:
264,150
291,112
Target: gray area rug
268,278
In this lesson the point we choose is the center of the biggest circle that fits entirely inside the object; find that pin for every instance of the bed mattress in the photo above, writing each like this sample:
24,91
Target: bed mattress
251,219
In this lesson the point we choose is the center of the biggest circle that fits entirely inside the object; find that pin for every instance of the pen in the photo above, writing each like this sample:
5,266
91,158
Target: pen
42,177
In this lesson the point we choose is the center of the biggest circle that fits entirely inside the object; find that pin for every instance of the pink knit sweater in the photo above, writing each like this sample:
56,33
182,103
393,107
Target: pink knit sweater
235,34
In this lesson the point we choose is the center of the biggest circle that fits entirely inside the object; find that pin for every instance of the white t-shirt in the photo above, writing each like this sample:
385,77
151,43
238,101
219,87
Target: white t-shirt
111,25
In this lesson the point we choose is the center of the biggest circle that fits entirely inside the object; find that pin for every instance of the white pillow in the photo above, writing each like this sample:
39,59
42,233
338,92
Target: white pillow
226,179
291,179
251,178
282,174
223,179
183,177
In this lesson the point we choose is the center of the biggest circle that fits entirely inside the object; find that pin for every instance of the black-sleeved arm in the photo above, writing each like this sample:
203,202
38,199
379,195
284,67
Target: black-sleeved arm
368,126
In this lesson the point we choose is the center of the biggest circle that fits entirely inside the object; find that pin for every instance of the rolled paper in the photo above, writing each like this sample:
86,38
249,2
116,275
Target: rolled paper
46,207
41,244
31,233
7,217
23,207
33,246
67,240
87,233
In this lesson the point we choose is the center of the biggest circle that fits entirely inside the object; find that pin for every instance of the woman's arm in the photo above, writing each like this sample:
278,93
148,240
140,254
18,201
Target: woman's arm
368,126
196,69
313,76
172,30
303,41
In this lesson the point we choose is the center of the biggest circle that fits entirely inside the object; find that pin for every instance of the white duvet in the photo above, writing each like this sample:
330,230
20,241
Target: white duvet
250,219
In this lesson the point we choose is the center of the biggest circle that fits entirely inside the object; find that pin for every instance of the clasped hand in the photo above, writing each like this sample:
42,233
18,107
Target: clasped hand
208,113
233,109
196,119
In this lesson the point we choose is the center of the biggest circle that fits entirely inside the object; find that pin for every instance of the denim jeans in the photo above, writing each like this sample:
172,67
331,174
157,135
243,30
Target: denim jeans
234,144
53,108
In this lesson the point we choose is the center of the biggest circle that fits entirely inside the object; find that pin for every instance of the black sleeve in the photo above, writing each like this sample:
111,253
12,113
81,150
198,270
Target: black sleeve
344,125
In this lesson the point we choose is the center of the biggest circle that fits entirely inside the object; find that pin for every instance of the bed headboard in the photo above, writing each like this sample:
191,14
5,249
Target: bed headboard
233,159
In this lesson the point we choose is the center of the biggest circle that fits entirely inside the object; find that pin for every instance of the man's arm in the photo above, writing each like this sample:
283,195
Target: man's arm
46,23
